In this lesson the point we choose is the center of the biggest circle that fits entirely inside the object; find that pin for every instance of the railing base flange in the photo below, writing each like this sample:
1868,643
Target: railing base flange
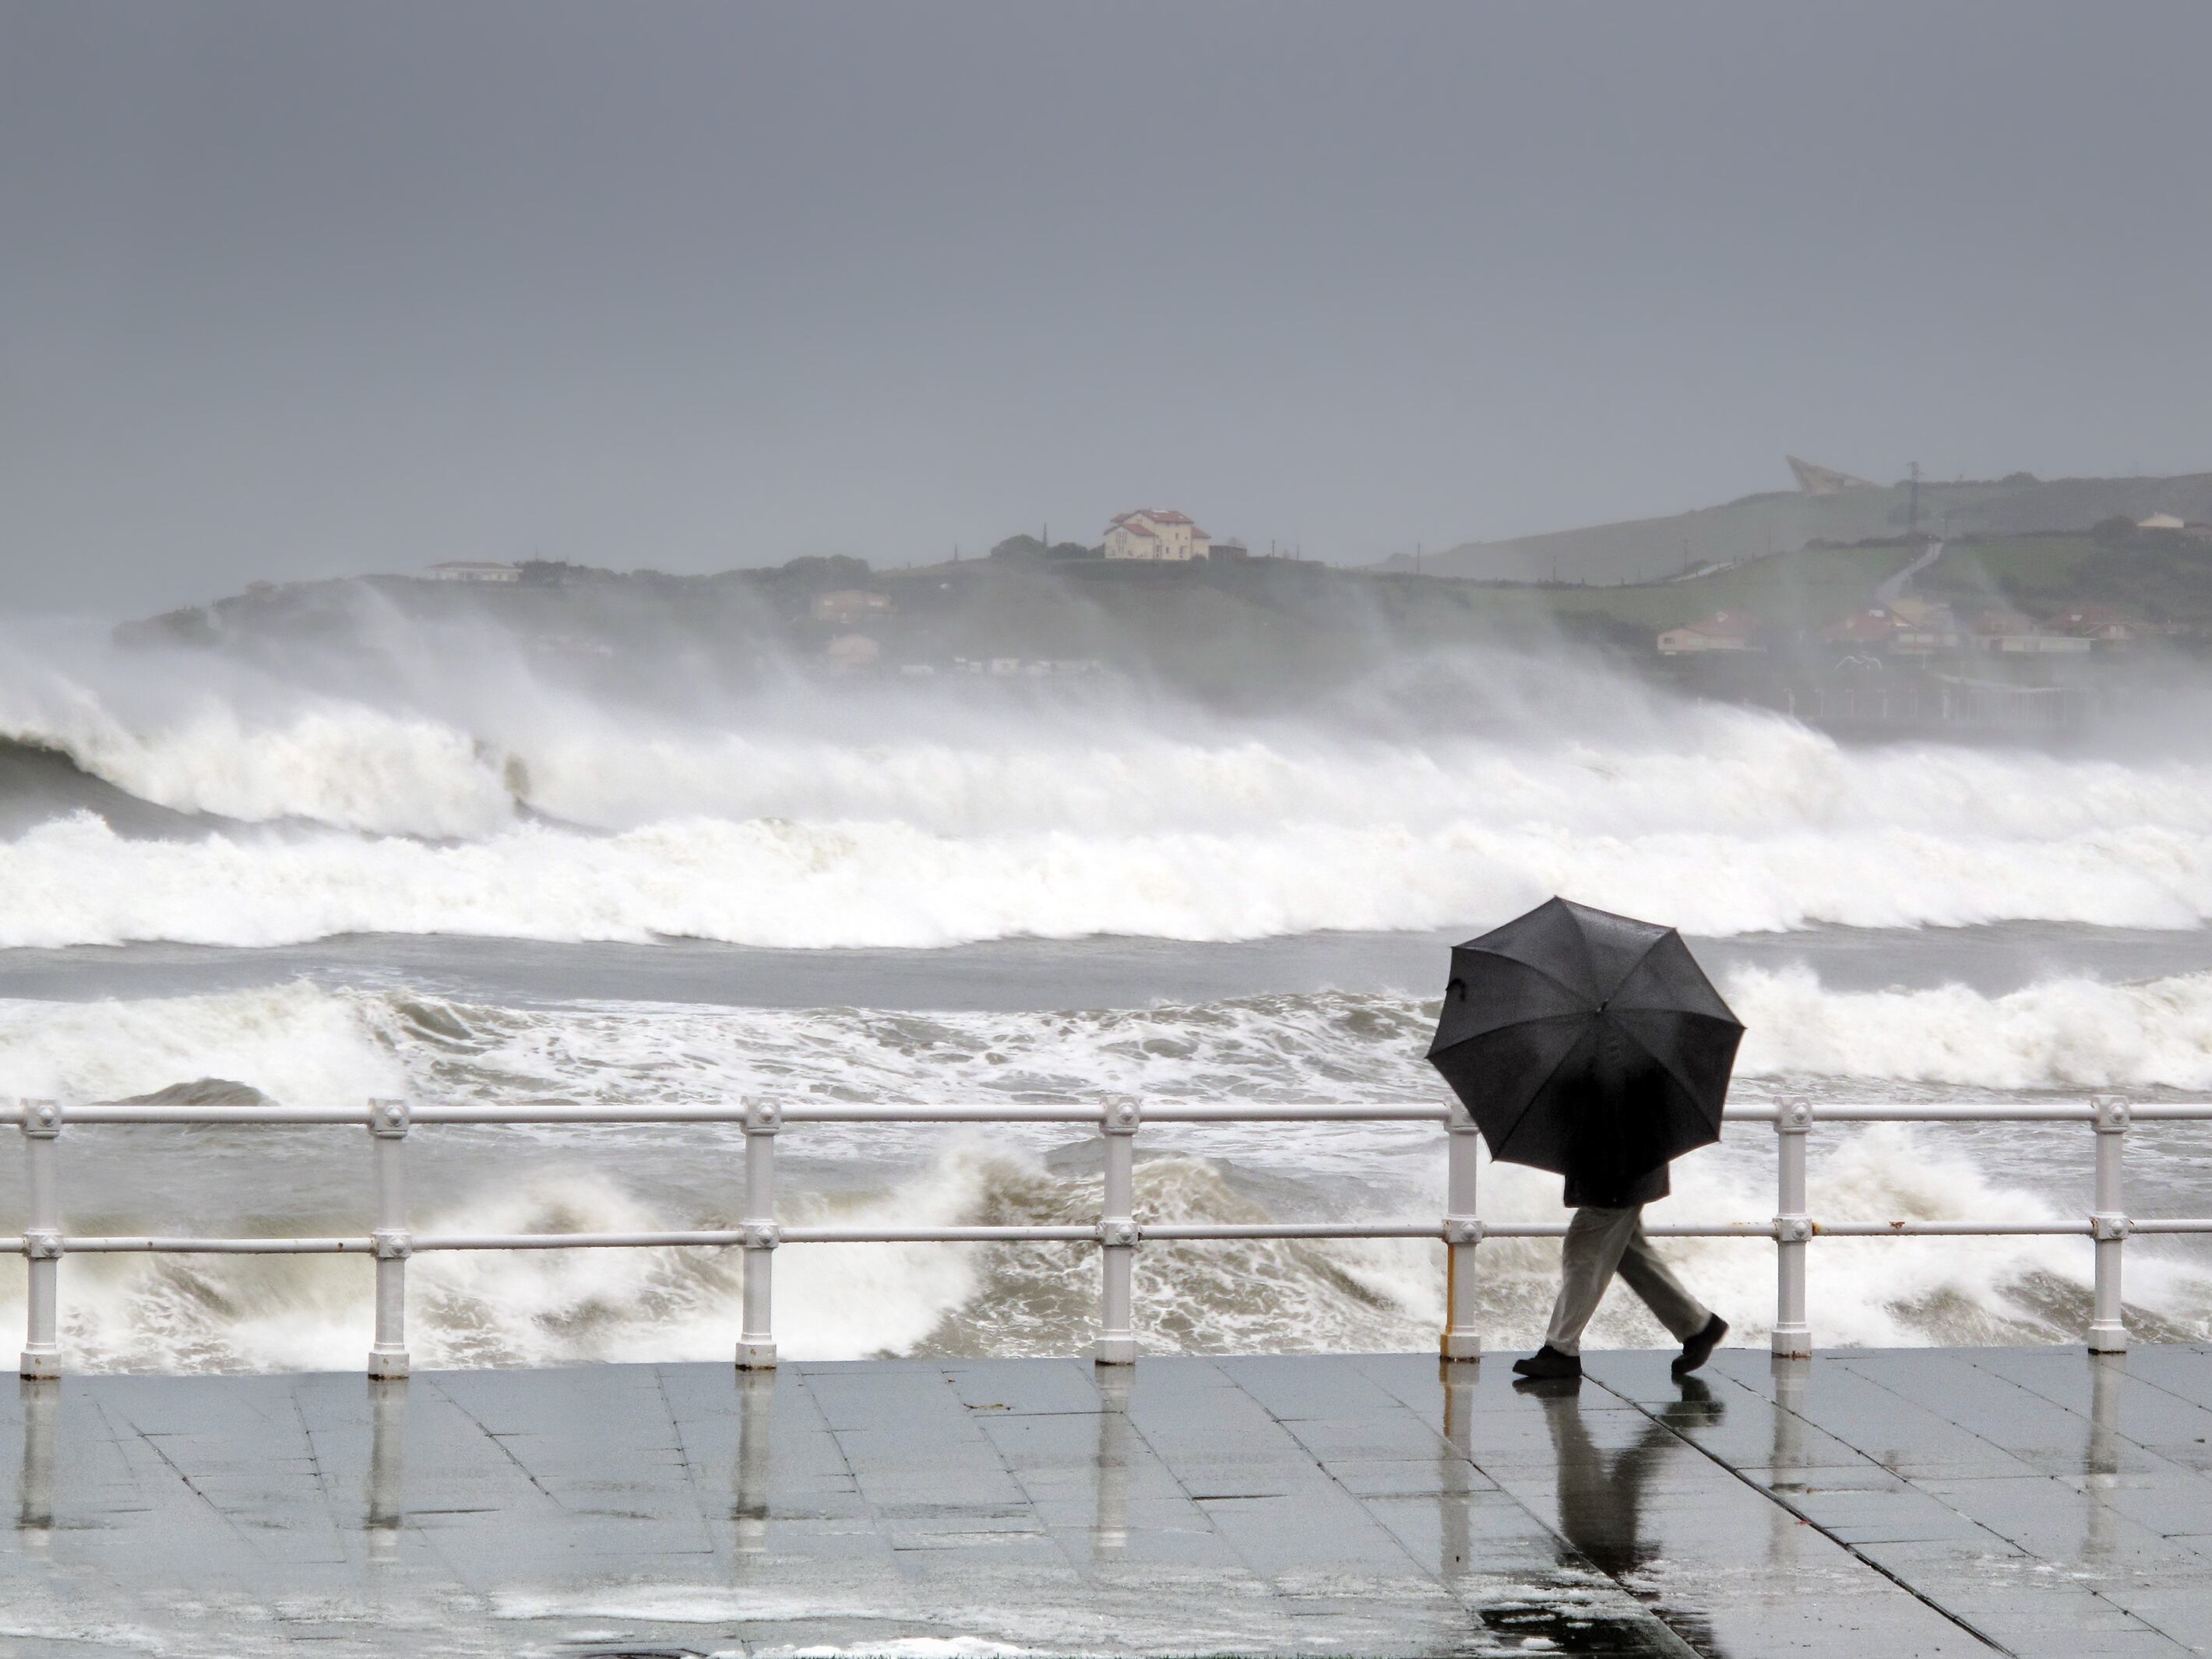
39,1367
756,1355
1459,1345
1113,1350
1793,1345
387,1365
2108,1339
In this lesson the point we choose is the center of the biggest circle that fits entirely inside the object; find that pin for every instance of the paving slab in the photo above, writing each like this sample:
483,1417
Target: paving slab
1942,1503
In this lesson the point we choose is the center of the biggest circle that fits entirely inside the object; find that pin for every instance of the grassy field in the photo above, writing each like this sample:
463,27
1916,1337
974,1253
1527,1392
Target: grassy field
2032,573
1816,586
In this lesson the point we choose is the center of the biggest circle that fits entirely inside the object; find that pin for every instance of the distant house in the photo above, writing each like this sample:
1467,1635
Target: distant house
1726,630
2099,622
1230,551
1156,532
473,570
2040,644
2160,521
848,605
1925,627
1863,627
1986,628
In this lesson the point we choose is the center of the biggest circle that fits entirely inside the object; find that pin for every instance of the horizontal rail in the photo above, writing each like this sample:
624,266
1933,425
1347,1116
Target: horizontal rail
795,1112
1115,1233
1948,1229
2171,1224
144,1246
1166,1232
1155,1112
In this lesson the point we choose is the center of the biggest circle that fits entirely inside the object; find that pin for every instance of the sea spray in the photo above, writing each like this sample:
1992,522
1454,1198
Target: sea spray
461,790
856,1301
301,1043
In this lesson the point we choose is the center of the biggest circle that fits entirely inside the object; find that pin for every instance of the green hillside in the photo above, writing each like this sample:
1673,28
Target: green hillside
1650,549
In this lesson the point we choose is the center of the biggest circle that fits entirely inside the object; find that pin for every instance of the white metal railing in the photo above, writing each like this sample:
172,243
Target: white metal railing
1117,1233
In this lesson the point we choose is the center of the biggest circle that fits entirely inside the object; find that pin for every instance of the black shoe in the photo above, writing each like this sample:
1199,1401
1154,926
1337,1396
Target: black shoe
1699,1348
1548,1364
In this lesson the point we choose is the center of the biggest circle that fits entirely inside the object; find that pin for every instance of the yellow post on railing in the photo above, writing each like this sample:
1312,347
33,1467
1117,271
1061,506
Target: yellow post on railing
1462,1340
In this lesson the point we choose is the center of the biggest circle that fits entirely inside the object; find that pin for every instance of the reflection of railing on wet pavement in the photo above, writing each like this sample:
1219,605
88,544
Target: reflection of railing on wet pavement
1713,1508
1117,1233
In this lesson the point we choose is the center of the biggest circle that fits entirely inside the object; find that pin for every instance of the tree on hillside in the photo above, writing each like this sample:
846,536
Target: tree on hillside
1028,547
816,574
2116,531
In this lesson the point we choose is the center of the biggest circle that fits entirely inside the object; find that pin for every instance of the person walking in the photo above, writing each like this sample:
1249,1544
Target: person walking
1607,1238
1592,1045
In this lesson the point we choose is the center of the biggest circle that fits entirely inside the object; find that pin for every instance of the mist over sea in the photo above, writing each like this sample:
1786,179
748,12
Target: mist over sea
435,865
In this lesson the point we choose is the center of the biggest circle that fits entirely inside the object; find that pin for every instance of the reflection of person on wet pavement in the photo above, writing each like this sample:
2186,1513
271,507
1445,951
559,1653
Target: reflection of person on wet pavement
1602,1499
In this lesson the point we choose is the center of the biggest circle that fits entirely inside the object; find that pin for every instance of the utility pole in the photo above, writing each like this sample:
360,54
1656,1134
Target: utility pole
1912,500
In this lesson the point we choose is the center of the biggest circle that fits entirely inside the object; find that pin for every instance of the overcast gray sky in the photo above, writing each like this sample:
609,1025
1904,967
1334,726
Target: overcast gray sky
290,290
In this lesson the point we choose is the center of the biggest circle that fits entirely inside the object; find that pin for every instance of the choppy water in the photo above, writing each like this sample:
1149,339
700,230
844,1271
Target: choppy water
214,879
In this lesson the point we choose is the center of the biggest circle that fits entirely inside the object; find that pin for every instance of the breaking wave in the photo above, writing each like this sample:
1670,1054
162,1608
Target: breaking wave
777,882
301,1043
231,810
544,1308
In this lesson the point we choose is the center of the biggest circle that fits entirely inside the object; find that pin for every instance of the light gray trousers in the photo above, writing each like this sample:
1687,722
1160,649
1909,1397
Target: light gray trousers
1599,1244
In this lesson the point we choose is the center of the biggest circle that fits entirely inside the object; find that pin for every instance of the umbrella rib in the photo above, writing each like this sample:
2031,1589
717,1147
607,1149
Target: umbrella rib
1665,1064
1642,957
1497,1151
1574,991
1729,1021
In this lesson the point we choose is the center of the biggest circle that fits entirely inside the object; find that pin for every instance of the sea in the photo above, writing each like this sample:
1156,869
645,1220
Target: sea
455,866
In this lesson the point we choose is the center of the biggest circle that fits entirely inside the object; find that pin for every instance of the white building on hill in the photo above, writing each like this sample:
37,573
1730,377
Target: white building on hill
473,570
1156,532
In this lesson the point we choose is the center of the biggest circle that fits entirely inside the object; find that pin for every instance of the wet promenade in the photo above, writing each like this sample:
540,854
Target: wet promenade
2031,1502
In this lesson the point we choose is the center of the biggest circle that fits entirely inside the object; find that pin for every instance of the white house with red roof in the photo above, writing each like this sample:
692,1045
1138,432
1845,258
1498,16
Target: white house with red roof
2100,623
1156,532
1875,626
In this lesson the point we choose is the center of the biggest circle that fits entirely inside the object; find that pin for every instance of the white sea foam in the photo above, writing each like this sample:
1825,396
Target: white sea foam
771,882
300,1042
929,822
845,1302
2065,1033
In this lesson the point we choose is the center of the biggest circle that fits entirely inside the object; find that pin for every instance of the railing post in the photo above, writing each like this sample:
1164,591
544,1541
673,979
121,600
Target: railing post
1117,1235
41,1121
1462,1232
756,1340
2108,1225
1793,1229
388,1123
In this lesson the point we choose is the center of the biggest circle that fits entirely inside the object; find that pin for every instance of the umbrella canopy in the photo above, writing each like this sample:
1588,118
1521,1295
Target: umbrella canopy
1586,1043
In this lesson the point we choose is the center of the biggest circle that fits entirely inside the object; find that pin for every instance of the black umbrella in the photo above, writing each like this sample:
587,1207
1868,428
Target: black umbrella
1586,1043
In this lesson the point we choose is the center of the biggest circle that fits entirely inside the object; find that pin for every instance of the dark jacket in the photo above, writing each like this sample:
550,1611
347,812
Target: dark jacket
1596,1193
